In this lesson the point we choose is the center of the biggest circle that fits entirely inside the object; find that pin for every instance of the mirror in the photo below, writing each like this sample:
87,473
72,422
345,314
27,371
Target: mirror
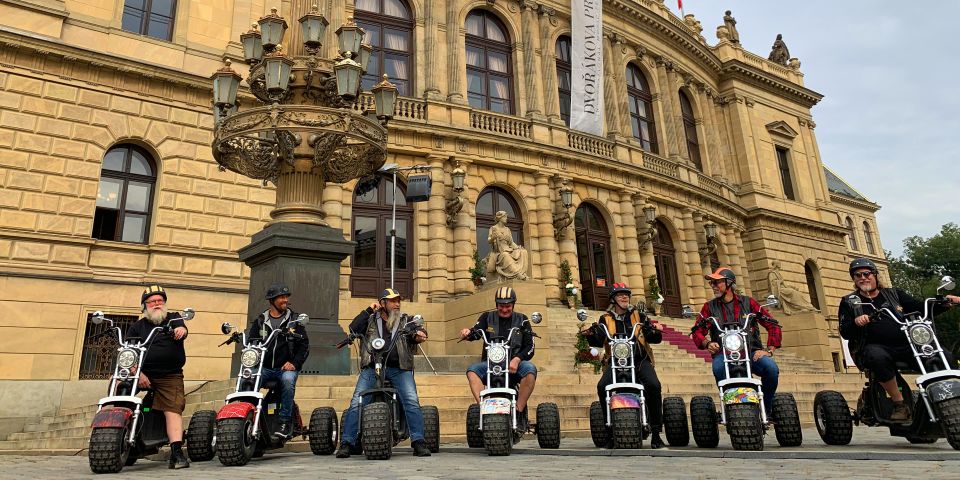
854,299
418,320
687,312
188,313
97,318
582,315
303,318
226,328
772,301
536,317
947,283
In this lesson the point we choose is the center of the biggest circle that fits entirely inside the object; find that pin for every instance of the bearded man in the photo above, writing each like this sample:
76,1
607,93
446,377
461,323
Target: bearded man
163,365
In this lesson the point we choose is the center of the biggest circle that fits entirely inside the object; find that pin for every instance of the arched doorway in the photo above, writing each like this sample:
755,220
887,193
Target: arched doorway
665,261
593,256
372,213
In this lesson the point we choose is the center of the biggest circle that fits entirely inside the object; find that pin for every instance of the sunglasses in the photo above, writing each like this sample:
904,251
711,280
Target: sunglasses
716,282
862,274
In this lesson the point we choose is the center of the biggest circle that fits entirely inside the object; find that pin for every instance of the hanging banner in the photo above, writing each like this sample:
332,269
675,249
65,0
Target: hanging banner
586,58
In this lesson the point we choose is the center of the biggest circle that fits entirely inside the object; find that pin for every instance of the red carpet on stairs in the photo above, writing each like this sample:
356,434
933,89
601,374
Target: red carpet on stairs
683,341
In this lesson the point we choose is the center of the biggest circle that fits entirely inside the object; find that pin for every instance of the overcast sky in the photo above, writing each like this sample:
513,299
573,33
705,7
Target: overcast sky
889,120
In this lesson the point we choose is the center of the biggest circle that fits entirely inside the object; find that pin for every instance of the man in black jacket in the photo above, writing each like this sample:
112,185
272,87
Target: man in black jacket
285,355
163,365
498,324
877,344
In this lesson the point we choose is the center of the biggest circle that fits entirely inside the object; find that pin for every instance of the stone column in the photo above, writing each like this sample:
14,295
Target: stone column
611,106
631,247
432,12
665,127
551,95
691,259
568,243
531,67
675,116
743,276
462,246
437,274
549,250
647,264
711,162
701,238
730,245
455,55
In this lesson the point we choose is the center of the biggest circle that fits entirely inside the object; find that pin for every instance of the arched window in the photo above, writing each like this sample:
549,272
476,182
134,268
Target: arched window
810,270
564,77
690,130
491,201
125,196
852,233
641,109
489,63
868,239
389,30
372,219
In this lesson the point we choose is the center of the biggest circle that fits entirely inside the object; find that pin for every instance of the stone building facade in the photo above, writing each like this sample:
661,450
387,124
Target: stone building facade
109,182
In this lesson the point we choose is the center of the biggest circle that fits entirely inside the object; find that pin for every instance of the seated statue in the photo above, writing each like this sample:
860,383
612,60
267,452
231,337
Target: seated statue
507,260
791,300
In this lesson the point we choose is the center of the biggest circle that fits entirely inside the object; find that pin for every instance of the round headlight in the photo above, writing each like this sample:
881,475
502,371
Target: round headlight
378,343
733,342
496,353
127,358
621,350
250,358
921,335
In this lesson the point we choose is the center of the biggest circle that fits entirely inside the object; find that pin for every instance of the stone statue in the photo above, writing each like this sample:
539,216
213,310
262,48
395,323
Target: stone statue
731,24
694,24
507,260
779,53
791,300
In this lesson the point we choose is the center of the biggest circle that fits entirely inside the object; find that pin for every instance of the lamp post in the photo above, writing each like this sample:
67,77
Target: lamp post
650,218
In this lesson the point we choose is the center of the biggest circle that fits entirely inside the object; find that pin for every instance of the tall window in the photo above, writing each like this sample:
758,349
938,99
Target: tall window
564,77
153,18
125,197
868,239
852,233
489,63
690,130
783,162
810,270
491,201
641,109
389,28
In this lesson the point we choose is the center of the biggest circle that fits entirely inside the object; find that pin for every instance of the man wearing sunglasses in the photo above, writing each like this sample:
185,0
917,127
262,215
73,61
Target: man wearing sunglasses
877,344
727,306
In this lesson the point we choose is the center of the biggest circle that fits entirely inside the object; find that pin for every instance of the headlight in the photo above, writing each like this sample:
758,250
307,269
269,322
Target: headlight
496,353
127,358
733,342
621,350
249,358
377,343
921,335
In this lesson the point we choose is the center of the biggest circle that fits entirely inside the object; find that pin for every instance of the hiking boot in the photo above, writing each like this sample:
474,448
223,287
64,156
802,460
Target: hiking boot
655,441
901,412
178,460
285,430
420,449
523,422
344,450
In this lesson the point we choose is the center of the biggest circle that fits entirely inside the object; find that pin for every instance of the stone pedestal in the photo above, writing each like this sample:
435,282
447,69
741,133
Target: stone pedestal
307,258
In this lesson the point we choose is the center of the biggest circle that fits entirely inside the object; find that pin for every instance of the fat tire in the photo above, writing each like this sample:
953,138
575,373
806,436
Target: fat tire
675,422
474,435
598,425
199,436
548,425
948,411
431,427
831,414
787,420
744,426
703,420
497,434
627,430
376,430
323,431
235,443
108,450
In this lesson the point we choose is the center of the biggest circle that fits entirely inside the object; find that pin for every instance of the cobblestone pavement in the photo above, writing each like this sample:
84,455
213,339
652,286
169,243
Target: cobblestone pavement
873,454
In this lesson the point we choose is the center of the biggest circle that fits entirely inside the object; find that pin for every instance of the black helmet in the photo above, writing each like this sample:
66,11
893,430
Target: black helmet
151,291
862,263
618,288
276,290
506,295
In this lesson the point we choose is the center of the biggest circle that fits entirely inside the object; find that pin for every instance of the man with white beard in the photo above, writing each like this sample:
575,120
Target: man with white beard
877,344
163,365
384,320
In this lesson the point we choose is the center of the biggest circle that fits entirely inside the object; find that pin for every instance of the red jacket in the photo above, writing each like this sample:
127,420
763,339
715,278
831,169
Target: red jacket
764,319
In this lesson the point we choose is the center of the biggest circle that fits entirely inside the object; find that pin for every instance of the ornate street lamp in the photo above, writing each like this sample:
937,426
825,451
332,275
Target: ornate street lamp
350,36
252,45
650,217
313,26
276,67
385,96
226,82
272,28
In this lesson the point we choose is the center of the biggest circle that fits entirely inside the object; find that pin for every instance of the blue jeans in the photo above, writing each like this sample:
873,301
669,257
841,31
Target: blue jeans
769,374
288,388
406,387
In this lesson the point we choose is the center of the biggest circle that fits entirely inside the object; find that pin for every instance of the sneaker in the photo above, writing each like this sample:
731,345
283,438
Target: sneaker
285,430
901,412
655,441
344,450
420,449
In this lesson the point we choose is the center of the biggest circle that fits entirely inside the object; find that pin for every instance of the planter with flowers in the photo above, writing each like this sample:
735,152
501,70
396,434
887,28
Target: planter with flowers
586,355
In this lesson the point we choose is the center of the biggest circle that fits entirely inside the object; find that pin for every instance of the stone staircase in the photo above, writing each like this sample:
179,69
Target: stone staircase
682,371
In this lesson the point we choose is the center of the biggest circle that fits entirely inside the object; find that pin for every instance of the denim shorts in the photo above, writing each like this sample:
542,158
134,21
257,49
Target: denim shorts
525,368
